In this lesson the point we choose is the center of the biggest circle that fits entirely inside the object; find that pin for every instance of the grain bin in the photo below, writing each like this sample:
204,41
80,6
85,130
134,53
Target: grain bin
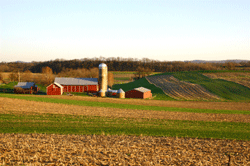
101,93
120,94
103,77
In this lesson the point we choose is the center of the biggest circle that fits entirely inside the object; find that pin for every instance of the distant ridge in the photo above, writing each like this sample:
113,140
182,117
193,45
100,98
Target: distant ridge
21,62
220,61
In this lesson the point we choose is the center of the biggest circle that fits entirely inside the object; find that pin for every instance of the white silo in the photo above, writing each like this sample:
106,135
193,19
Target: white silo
103,77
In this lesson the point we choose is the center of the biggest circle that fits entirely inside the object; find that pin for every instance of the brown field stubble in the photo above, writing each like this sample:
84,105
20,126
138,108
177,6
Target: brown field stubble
37,149
23,106
240,78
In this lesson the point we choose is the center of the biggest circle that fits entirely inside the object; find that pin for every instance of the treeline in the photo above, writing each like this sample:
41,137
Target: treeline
118,64
46,77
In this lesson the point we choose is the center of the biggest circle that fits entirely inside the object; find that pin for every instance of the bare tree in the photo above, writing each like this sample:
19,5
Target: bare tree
13,76
142,72
49,77
230,65
110,79
94,72
27,76
1,77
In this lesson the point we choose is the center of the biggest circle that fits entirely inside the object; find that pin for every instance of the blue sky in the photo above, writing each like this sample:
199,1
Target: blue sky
166,30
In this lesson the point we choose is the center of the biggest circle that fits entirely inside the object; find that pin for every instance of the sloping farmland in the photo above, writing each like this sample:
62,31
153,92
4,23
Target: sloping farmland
181,90
242,78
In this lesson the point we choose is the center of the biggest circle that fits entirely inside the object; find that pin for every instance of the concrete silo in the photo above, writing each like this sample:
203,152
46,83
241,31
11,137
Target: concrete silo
103,78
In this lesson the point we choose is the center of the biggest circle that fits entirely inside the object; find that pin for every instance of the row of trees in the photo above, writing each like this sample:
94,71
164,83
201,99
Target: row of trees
44,78
118,64
47,77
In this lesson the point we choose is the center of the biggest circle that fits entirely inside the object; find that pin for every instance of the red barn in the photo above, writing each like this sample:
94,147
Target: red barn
54,89
78,84
140,92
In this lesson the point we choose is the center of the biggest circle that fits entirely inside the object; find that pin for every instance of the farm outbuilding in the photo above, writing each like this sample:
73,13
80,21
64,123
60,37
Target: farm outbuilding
140,92
78,84
54,89
26,88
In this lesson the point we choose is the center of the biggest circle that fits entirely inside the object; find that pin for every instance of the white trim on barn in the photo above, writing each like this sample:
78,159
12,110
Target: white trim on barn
60,86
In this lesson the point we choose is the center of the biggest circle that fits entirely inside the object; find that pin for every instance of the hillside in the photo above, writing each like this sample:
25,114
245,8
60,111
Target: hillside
191,85
181,89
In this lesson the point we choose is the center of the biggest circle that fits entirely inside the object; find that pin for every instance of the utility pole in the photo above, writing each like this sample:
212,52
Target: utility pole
18,76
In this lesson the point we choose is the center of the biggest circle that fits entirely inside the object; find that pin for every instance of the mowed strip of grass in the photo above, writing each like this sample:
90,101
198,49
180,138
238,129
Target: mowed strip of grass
78,124
122,106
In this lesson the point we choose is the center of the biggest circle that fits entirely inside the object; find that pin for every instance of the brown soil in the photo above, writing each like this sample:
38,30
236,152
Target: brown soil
36,149
23,106
181,89
162,103
240,78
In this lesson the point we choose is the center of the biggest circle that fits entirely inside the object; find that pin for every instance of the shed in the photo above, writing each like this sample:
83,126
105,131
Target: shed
54,89
140,92
78,84
26,88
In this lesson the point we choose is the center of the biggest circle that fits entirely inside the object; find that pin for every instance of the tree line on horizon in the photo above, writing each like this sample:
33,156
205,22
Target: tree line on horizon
118,64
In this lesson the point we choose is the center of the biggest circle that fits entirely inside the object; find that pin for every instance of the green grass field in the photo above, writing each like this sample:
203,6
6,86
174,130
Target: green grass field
79,124
76,124
8,86
122,78
122,106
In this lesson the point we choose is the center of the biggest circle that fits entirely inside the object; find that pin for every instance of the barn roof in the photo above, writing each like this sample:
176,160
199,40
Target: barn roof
142,89
76,81
25,85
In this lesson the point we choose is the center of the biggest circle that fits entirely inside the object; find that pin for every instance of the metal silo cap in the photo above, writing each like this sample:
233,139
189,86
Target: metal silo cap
102,65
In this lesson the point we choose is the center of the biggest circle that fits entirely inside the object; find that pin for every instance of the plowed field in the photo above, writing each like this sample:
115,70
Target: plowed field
37,149
240,78
23,107
180,89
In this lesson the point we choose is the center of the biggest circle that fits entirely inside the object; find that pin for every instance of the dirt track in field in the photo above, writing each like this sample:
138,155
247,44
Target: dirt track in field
238,77
180,89
23,106
37,149
180,104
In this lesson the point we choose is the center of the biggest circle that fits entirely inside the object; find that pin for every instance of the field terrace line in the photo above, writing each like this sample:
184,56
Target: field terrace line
23,106
241,106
